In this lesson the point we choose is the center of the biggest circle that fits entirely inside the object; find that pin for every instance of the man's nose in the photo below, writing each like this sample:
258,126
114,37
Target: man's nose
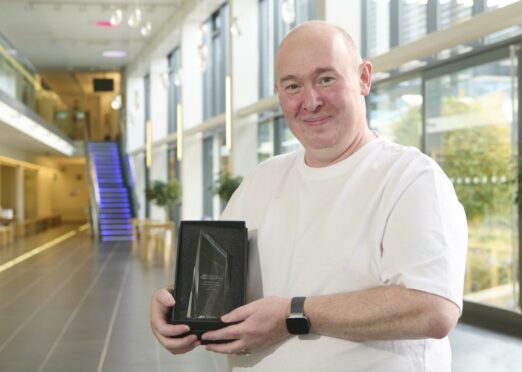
312,99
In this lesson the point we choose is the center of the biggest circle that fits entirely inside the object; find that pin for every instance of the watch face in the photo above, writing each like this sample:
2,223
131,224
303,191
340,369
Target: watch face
297,325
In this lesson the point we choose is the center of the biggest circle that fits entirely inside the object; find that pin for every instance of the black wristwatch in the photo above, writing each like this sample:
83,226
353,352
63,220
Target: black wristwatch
297,323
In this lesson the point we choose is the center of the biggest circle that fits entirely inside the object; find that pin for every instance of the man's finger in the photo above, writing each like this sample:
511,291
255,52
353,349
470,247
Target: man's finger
179,345
239,314
231,332
234,347
170,330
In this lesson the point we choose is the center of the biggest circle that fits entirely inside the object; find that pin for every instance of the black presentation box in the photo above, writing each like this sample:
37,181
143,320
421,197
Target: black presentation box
211,273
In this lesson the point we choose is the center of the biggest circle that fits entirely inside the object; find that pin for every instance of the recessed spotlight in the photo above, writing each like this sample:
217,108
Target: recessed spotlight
116,17
114,54
145,29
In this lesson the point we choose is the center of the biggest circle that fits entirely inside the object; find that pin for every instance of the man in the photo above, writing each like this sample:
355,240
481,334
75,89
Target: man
369,231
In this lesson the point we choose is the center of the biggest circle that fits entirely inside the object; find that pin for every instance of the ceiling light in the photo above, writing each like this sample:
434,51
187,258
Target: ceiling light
234,27
114,54
145,29
116,17
288,11
202,57
134,18
116,102
177,78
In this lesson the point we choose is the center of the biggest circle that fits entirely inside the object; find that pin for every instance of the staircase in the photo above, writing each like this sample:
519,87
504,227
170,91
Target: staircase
114,201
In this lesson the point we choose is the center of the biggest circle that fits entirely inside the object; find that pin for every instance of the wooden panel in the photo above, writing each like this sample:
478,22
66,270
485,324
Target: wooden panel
7,187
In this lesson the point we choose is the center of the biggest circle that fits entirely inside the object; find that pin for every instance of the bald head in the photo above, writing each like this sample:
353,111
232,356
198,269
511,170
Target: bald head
325,31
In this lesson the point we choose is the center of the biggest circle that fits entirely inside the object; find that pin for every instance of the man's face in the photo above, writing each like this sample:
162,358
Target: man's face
321,91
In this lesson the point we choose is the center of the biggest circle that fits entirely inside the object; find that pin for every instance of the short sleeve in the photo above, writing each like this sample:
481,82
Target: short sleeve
425,239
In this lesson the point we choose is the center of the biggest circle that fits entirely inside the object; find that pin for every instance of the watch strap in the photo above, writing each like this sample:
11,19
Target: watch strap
297,305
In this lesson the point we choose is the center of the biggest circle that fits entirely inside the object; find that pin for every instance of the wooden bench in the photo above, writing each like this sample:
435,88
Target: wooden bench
37,224
6,234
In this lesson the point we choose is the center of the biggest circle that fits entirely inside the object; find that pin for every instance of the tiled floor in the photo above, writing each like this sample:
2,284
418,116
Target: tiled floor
81,306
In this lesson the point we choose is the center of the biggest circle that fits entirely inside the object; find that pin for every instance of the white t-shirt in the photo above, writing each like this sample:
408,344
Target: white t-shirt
385,215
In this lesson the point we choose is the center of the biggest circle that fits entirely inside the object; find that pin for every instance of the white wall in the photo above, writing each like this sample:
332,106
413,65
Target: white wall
192,179
138,170
158,98
135,113
158,172
245,63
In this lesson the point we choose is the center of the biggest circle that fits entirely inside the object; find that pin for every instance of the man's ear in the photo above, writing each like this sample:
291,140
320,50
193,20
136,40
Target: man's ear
365,77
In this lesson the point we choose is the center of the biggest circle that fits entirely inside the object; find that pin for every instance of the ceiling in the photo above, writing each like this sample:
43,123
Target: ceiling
61,40
62,34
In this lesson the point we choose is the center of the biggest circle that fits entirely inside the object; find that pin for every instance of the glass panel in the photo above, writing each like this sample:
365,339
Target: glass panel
208,177
265,140
174,171
453,11
265,55
470,132
286,142
174,91
216,41
146,84
412,20
378,27
396,111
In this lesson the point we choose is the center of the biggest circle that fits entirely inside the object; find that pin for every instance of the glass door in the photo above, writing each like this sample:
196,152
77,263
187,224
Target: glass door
471,131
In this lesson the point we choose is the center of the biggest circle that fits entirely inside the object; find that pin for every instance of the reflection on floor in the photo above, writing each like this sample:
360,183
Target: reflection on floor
83,306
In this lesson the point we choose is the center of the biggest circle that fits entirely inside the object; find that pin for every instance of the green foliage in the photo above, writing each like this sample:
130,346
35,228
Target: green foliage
407,129
475,153
226,185
163,194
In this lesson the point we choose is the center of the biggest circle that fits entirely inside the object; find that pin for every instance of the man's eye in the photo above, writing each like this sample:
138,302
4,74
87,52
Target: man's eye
292,87
326,79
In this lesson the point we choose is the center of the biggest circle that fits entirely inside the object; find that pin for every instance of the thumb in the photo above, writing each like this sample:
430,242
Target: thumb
164,297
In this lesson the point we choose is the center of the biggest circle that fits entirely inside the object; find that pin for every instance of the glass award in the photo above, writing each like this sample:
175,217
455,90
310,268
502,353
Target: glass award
210,281
211,274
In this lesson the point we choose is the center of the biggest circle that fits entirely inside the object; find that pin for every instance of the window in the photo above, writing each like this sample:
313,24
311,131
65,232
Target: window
208,177
396,111
273,136
174,171
216,41
376,27
412,20
146,86
174,89
273,26
470,131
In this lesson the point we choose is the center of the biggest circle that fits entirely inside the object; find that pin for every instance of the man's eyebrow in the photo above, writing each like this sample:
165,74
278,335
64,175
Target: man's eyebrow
287,78
320,70
317,71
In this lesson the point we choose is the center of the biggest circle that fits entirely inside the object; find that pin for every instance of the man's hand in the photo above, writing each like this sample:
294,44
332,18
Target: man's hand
161,301
262,323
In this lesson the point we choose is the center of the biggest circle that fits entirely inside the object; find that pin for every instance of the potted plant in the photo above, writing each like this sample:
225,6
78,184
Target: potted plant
163,194
226,185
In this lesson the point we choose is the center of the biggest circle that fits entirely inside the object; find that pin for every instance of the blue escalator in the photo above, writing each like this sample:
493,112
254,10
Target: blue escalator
113,193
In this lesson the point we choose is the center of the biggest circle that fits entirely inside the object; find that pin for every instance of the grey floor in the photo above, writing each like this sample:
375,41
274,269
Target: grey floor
81,306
